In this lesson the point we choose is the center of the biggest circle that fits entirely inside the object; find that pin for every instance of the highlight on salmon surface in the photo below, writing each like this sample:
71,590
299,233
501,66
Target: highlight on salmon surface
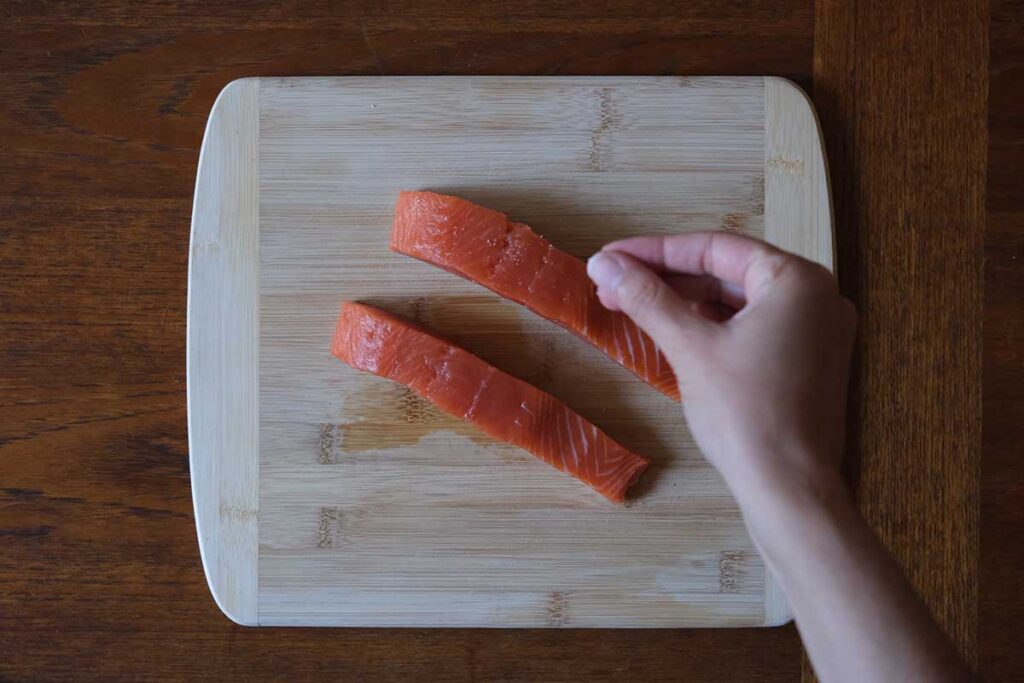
504,407
510,259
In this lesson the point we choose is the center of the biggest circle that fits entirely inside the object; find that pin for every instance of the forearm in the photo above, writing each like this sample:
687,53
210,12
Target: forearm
857,614
761,342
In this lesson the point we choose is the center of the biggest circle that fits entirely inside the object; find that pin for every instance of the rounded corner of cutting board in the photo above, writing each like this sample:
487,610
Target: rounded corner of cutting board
222,355
797,199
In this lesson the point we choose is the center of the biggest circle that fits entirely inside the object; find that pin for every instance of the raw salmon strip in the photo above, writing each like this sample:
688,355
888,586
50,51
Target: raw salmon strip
484,246
504,407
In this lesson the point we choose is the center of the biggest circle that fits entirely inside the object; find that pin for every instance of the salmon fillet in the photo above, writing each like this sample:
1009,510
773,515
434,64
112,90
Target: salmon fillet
497,403
509,258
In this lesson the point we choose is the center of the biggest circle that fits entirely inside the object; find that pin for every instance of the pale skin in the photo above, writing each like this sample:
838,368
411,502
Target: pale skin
760,341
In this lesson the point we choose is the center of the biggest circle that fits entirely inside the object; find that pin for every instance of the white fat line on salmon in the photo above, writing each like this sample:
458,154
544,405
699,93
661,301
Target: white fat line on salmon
614,457
568,431
616,454
583,437
618,347
562,452
629,341
624,472
616,468
598,444
641,338
479,392
547,446
558,431
568,435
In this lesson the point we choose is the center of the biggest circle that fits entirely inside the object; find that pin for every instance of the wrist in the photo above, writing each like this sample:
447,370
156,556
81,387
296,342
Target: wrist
778,473
776,492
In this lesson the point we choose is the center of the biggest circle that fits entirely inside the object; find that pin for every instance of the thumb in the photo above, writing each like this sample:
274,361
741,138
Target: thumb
625,284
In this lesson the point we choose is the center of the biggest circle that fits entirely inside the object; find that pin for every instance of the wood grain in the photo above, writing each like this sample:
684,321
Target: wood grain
223,352
102,108
909,195
797,206
1001,565
375,509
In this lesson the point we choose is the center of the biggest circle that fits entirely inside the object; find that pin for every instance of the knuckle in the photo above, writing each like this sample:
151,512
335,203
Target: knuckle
808,274
820,274
783,268
642,292
776,264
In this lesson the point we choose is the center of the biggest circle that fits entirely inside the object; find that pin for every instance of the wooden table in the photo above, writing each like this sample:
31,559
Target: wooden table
102,107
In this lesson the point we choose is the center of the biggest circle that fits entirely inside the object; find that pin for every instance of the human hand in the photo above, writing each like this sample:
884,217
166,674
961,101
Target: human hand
760,341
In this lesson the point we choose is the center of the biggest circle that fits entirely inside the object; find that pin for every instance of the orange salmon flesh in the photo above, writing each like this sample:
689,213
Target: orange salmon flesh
484,246
505,408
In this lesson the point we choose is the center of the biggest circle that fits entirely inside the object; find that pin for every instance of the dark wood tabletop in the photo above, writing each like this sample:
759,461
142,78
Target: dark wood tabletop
102,109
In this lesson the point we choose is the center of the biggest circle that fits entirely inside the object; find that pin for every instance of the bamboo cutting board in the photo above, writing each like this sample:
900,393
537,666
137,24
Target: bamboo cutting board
324,496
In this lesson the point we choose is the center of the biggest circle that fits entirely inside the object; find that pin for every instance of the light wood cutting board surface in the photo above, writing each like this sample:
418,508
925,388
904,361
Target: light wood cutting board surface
325,496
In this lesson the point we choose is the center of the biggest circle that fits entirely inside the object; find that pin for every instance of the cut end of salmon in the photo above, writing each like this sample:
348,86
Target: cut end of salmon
617,492
433,224
500,405
463,238
512,260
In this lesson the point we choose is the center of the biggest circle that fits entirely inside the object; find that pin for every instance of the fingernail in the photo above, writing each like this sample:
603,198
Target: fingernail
605,270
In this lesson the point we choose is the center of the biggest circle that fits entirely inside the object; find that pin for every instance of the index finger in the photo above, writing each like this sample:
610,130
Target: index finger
729,257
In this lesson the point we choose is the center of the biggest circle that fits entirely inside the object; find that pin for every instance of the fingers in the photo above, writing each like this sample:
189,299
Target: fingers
698,288
741,261
718,313
624,284
721,254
